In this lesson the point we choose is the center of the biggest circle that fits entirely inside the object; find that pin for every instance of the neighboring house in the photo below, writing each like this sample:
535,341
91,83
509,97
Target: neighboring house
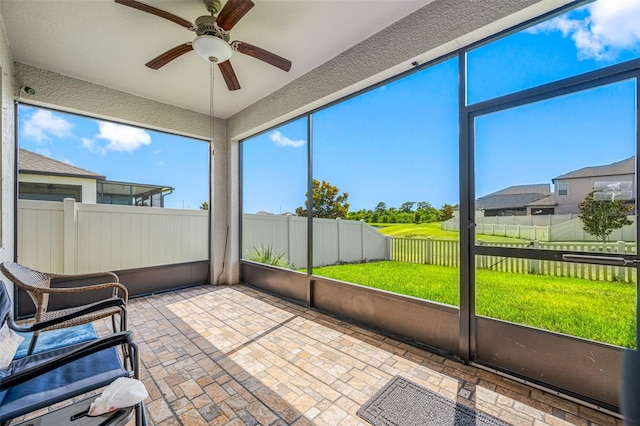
43,178
572,188
518,200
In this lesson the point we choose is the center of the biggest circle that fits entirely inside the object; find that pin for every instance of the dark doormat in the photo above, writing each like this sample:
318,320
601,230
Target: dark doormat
404,403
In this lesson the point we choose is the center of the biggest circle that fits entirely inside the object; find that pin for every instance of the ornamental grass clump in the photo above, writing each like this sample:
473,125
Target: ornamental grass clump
268,256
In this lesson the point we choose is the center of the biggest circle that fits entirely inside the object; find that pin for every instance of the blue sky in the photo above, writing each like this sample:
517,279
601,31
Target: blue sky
121,153
399,142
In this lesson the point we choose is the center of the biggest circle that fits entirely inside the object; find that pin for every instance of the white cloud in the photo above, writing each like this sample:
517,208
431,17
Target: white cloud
280,140
90,144
43,125
119,138
610,27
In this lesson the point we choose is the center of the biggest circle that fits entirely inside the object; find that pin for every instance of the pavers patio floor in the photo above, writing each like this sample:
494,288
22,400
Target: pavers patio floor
233,355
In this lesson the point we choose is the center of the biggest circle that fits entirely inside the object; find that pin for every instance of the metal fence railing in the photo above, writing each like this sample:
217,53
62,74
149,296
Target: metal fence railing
432,251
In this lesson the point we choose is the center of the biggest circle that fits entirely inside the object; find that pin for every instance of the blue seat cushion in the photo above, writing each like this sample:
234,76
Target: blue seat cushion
55,339
67,381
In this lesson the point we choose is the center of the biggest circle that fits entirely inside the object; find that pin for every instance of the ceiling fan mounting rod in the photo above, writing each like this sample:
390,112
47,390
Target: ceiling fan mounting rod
213,6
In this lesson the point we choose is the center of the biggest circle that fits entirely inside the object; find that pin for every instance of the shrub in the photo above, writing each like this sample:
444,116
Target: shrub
266,255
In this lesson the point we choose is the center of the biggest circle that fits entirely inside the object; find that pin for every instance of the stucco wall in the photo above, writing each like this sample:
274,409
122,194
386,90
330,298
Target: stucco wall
69,94
7,149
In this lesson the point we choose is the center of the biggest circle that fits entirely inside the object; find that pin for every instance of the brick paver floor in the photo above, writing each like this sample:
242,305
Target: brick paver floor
233,355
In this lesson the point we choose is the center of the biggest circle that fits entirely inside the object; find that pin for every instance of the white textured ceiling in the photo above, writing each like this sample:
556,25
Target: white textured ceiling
108,44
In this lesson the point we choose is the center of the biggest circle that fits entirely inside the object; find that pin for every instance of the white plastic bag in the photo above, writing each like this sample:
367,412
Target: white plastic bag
123,392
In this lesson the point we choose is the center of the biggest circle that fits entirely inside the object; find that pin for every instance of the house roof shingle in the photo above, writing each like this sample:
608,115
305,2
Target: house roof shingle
623,167
516,196
30,162
538,188
509,201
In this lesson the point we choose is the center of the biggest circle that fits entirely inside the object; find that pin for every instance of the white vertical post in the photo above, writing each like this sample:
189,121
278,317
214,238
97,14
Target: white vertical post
338,221
289,234
70,232
362,240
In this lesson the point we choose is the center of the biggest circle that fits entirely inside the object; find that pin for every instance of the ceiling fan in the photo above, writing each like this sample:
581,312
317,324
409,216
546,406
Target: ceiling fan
213,35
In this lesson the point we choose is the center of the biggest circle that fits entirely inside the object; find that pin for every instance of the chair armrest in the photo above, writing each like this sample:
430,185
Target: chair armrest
94,287
71,277
81,351
93,307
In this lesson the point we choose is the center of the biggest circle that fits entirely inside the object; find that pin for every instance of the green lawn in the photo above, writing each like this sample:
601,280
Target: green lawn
596,310
432,230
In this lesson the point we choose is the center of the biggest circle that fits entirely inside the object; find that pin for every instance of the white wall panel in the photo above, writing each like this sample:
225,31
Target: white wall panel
334,240
108,238
41,234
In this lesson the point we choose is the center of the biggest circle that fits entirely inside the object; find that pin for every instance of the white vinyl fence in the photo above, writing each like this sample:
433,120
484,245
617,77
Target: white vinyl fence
567,230
334,240
430,251
72,237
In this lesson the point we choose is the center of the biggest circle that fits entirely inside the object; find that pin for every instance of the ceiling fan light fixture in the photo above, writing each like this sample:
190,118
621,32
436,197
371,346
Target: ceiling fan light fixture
212,49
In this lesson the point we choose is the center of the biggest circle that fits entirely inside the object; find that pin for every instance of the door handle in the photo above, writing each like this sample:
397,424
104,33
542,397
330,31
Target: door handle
600,260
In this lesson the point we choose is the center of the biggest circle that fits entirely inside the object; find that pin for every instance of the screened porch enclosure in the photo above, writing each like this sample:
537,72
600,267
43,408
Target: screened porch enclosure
518,283
416,123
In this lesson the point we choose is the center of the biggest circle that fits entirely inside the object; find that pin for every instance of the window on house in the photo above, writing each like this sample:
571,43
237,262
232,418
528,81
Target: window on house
562,188
49,192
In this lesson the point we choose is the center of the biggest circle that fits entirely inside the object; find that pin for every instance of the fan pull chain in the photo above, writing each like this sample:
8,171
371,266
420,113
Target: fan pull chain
211,110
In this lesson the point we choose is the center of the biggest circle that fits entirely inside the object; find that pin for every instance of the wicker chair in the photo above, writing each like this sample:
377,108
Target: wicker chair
40,383
38,287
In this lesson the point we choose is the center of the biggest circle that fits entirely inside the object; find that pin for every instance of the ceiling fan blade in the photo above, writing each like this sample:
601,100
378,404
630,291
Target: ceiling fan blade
263,55
229,75
232,12
158,12
169,56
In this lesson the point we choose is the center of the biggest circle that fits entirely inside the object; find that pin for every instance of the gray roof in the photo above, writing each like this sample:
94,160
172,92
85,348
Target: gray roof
32,163
624,167
509,201
549,200
516,196
538,188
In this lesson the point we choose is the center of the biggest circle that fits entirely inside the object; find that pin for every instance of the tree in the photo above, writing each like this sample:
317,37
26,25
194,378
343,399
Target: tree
204,206
381,208
446,212
407,207
326,201
602,217
424,205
